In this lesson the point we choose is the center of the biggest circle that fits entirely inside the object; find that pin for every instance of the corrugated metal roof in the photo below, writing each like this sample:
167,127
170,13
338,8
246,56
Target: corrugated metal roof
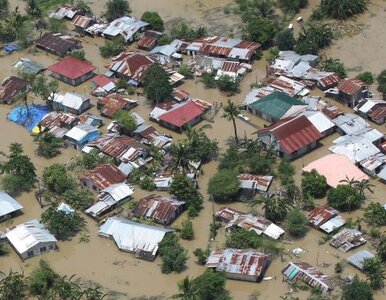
347,239
104,175
255,182
358,258
82,21
352,86
70,100
8,205
113,103
58,43
79,132
182,115
11,87
321,215
333,224
350,123
26,65
319,120
71,68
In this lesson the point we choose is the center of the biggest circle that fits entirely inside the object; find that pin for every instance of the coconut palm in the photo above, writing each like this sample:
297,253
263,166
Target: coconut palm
350,181
13,286
181,156
231,111
381,249
362,186
375,272
188,290
275,208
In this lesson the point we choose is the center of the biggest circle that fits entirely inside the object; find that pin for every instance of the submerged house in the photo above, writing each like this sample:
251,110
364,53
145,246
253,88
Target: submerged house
9,207
80,135
347,239
27,65
246,265
111,104
148,135
161,209
30,239
325,218
127,27
58,123
110,198
358,258
349,91
250,184
65,11
139,239
290,137
12,88
71,102
58,43
72,71
309,275
101,85
101,177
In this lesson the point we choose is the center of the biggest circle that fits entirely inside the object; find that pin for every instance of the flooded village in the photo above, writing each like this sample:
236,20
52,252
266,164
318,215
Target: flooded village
266,108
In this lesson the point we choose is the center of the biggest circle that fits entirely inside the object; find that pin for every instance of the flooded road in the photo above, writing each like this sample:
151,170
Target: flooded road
99,260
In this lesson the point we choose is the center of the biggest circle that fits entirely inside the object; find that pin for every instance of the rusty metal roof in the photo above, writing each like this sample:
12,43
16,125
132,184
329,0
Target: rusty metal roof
329,80
104,175
239,262
321,215
113,103
82,21
332,112
11,87
347,239
255,182
180,95
58,43
162,209
351,86
59,119
147,42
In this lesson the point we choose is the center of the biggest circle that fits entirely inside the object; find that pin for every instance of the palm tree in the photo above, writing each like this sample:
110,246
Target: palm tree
275,208
350,181
188,290
231,111
181,155
13,286
381,249
363,185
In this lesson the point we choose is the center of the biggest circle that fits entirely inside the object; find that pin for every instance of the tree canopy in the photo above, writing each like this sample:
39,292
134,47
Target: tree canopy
375,272
173,256
49,145
334,65
357,290
231,112
296,223
259,29
285,40
344,197
113,47
79,198
116,9
314,184
224,186
154,19
313,38
375,213
57,179
156,84
342,9
126,121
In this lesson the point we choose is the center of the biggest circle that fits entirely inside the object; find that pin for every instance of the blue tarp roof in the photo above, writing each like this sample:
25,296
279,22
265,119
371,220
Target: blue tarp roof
11,47
28,116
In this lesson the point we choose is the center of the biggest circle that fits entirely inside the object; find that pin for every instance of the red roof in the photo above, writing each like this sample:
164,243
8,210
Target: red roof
105,175
182,115
294,134
102,80
351,86
71,67
321,215
378,113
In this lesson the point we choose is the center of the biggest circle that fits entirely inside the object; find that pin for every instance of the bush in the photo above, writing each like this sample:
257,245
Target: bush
49,145
79,54
313,39
187,232
366,77
186,71
344,197
375,213
243,239
357,290
113,48
224,186
156,84
154,19
259,29
164,40
381,79
79,198
285,40
147,184
57,180
296,223
208,80
334,65
286,171
201,255
228,84
314,184
116,9
173,256
293,5
126,121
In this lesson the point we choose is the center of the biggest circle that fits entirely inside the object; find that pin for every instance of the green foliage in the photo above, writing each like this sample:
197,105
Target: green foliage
285,40
126,121
366,77
213,228
375,213
227,83
231,112
250,8
173,256
83,7
18,169
116,9
79,198
334,65
201,255
381,249
154,19
314,184
339,268
313,39
61,224
113,48
4,8
243,239
273,53
164,40
57,179
92,159
185,32
79,54
42,87
375,272
42,279
224,186
259,29
296,223
56,25
33,9
187,232
186,70
211,285
121,84
293,5
275,208
344,197
208,80
286,171
342,9
49,145
147,184
375,233
13,286
381,79
156,84
357,290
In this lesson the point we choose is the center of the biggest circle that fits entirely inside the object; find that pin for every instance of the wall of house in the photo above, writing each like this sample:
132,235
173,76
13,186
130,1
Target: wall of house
90,185
38,249
243,277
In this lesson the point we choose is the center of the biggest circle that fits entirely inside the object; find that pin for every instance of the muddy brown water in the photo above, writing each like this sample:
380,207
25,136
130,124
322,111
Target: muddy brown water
99,260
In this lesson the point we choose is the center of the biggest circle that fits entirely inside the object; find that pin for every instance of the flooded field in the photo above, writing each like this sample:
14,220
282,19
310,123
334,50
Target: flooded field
99,260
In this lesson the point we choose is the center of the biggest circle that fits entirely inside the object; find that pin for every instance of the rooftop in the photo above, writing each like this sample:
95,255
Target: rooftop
8,205
71,67
104,176
182,115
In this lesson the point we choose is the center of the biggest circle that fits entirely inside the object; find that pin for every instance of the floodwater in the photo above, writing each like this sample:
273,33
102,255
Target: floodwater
99,260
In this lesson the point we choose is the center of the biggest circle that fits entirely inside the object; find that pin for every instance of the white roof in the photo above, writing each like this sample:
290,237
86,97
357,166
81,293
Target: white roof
126,26
119,191
71,100
368,133
319,120
25,236
131,236
274,231
333,224
66,208
357,149
80,131
368,105
156,113
8,204
350,123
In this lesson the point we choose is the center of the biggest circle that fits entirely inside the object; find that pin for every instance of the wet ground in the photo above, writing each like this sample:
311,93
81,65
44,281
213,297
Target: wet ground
99,260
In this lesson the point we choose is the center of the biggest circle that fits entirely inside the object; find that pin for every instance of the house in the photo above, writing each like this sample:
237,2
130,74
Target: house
254,183
110,198
347,239
325,218
373,165
89,119
72,71
358,258
102,85
121,148
290,137
9,207
246,265
149,40
367,105
57,123
332,112
30,239
80,135
111,104
125,26
130,65
349,123
58,43
258,224
70,102
81,23
140,239
309,275
167,53
101,177
12,88
289,86
349,91
233,69
256,94
187,114
66,11
148,135
97,28
276,106
180,95
321,122
161,209
28,66
336,167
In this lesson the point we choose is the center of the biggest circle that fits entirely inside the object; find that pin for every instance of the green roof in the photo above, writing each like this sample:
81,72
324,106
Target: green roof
275,104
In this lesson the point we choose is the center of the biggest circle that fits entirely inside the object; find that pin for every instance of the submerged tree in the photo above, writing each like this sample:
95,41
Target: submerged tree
49,145
154,19
357,290
342,9
13,286
231,111
57,179
275,208
156,84
375,272
224,186
116,9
